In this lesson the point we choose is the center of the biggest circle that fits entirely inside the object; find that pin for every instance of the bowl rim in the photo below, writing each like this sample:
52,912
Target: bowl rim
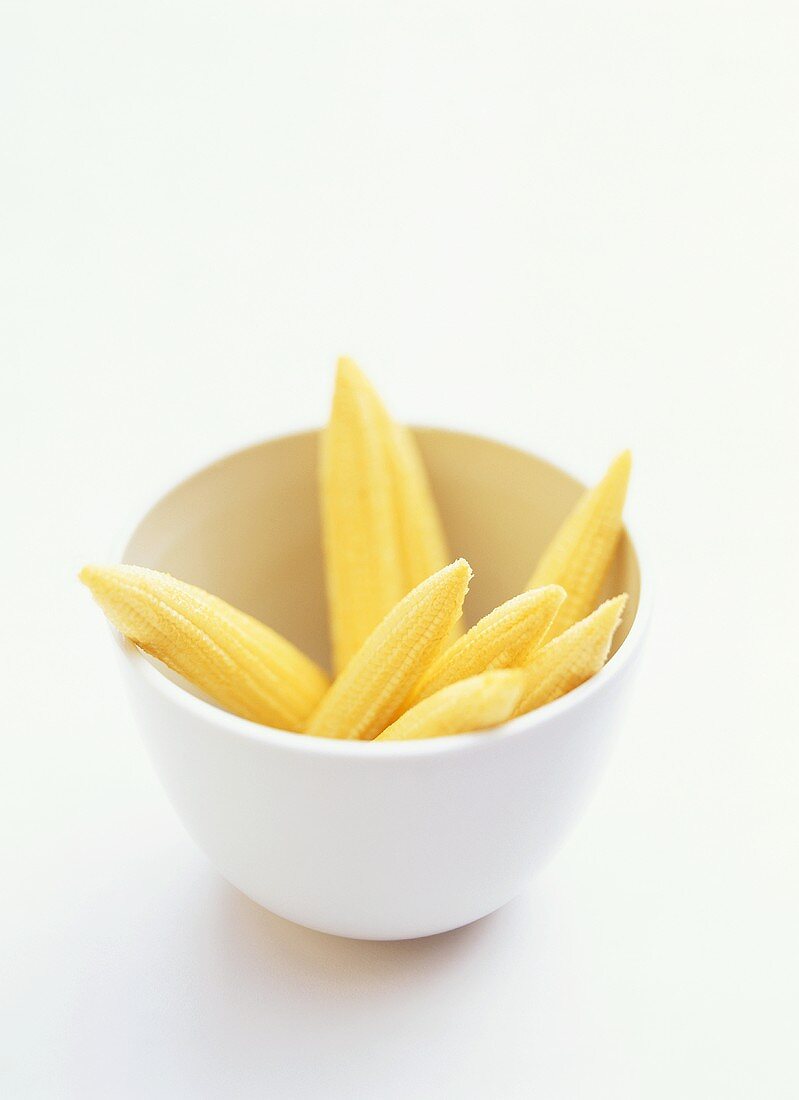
525,724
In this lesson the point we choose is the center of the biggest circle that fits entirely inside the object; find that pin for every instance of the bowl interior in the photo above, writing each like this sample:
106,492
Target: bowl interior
247,528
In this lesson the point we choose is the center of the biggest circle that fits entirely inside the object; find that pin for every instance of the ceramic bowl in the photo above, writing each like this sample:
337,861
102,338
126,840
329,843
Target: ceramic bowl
373,841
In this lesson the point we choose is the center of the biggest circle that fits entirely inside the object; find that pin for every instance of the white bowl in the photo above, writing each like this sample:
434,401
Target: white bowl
373,841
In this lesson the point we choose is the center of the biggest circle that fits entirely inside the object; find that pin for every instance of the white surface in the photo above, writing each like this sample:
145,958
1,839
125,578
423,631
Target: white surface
569,225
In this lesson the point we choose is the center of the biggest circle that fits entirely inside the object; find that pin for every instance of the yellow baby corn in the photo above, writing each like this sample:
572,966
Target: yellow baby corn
236,660
370,692
581,552
365,575
469,705
571,658
422,544
505,638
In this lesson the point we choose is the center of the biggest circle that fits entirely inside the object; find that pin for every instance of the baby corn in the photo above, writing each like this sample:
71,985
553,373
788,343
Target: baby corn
469,705
581,552
422,544
571,658
365,576
242,664
370,692
505,638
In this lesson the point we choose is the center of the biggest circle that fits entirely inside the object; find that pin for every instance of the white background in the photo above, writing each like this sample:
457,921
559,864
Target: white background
570,225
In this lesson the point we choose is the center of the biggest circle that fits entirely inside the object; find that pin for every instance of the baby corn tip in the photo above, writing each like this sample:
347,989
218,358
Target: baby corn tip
94,577
349,373
461,565
622,465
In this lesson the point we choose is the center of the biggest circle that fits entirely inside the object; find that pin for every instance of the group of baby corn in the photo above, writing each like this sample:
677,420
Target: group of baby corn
403,670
